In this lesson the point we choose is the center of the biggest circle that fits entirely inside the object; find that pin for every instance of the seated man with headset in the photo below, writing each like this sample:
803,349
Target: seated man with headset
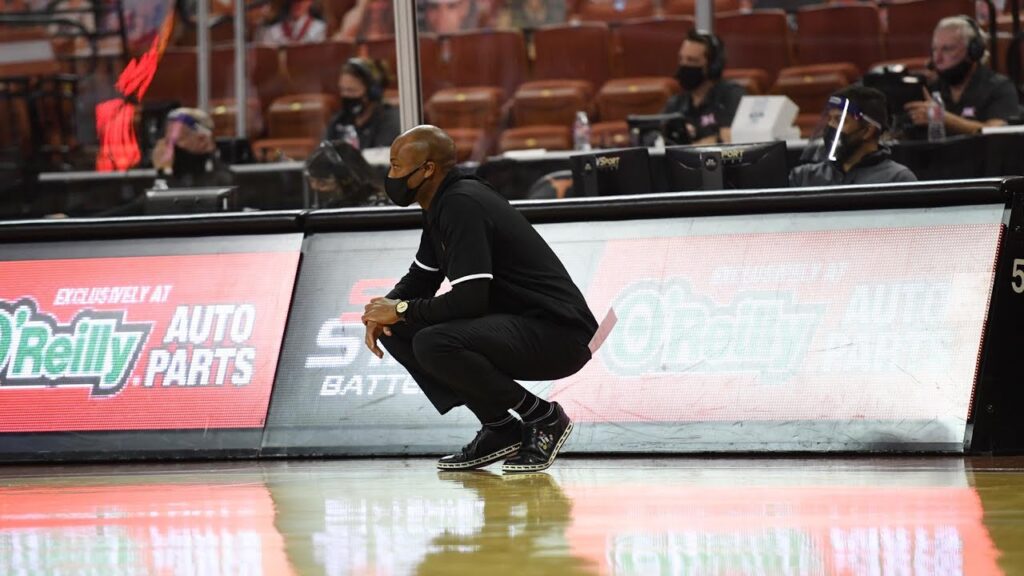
376,123
707,103
973,95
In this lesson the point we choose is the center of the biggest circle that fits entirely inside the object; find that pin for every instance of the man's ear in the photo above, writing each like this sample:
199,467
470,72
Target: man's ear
206,139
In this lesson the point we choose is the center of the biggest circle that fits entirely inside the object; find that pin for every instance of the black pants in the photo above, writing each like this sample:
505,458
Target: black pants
477,361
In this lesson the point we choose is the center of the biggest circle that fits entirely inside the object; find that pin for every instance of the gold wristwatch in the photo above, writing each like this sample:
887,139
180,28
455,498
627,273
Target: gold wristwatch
400,309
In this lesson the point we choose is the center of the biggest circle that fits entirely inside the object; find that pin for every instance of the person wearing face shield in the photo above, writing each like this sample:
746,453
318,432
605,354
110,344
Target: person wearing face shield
707,102
513,312
974,96
376,123
852,124
339,177
187,154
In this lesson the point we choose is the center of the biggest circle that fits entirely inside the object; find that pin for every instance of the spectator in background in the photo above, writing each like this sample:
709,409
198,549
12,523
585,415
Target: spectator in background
973,95
367,20
447,16
187,154
259,16
375,123
707,102
855,154
299,26
532,13
340,177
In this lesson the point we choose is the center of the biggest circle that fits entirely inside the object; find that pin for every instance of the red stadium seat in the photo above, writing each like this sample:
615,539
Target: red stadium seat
467,107
839,34
488,58
175,76
281,149
614,10
617,99
573,51
613,134
759,39
551,102
313,68
527,137
911,23
809,92
688,7
650,46
754,80
301,115
223,112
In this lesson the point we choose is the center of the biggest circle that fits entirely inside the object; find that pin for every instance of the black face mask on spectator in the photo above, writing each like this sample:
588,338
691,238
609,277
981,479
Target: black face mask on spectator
690,77
955,75
186,162
353,107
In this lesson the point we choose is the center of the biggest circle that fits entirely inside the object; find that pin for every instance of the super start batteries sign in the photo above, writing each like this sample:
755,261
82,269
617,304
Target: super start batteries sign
141,343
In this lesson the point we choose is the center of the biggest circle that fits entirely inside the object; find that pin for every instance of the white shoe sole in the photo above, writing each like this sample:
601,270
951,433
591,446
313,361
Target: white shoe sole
544,466
483,460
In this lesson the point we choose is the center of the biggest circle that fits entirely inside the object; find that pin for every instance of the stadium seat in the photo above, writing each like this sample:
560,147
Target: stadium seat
911,23
174,80
613,134
688,7
488,58
433,75
313,68
754,80
842,33
614,10
467,107
471,144
645,95
223,112
759,39
809,92
283,149
649,46
551,102
301,115
847,70
573,51
527,137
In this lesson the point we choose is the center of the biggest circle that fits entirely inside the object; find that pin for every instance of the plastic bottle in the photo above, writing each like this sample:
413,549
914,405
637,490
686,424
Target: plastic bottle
581,132
936,119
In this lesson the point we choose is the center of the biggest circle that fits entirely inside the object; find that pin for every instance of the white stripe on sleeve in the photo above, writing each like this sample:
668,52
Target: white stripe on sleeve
424,266
472,277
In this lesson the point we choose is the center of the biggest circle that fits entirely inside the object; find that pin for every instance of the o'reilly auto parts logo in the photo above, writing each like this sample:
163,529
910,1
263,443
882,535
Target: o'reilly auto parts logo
96,349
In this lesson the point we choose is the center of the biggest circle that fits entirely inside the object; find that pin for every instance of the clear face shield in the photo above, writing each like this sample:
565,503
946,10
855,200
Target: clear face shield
839,129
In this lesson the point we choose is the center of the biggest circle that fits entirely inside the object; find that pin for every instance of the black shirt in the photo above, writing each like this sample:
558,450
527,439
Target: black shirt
988,96
715,112
380,130
875,168
471,233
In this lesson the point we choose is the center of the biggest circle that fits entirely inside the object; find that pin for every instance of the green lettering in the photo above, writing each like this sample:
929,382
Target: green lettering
81,337
123,346
6,337
58,356
30,349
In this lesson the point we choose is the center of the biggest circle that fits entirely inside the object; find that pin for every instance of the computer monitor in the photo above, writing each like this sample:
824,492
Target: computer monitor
727,166
644,129
190,200
899,86
611,172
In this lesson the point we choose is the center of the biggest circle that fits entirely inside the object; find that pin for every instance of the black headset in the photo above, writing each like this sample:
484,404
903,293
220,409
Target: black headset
370,74
976,45
715,52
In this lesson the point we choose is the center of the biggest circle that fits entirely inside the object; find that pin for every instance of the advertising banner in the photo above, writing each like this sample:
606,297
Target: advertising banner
854,330
137,343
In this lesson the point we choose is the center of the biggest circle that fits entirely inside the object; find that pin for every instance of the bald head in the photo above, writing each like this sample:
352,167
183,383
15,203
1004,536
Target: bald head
426,143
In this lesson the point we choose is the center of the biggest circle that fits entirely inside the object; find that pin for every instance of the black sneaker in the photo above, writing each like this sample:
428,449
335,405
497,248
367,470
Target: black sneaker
541,443
489,446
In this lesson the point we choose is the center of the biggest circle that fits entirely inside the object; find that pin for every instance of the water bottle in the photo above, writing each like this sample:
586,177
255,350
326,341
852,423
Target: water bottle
351,137
581,132
936,119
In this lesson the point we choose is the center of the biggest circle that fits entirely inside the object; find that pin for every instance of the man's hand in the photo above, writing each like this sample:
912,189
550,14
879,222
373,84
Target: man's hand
373,332
918,111
381,311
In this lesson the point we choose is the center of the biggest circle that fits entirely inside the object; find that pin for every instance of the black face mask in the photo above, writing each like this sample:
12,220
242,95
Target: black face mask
956,75
398,189
847,146
690,77
186,162
352,107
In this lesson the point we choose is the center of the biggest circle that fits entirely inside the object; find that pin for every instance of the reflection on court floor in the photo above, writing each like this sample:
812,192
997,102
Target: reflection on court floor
587,516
